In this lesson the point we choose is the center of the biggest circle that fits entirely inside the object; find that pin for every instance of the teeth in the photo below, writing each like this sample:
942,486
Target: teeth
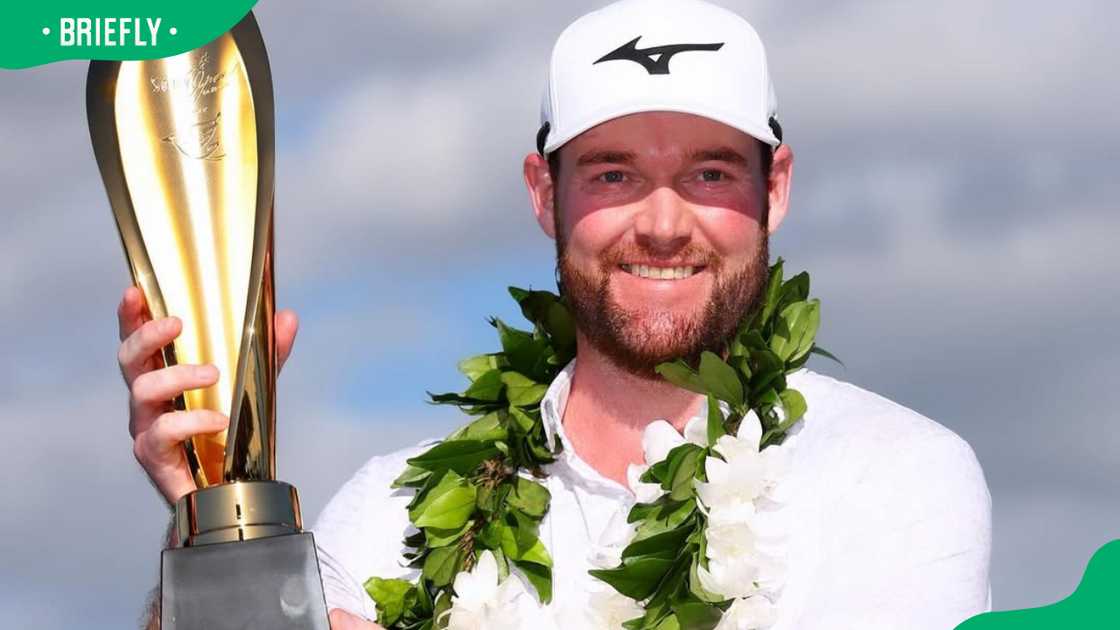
659,273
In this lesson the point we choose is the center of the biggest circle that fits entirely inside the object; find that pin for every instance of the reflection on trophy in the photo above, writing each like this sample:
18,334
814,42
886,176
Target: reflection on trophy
185,147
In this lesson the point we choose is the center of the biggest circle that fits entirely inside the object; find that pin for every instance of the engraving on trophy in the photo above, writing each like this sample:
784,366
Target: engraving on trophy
201,83
203,141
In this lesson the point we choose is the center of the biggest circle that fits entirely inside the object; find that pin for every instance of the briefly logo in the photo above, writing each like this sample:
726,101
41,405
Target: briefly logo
654,59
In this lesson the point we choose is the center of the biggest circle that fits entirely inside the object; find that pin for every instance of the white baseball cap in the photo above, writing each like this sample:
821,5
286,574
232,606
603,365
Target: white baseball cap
658,55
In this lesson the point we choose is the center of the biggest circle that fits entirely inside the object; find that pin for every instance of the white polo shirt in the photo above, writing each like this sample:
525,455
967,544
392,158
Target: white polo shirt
890,527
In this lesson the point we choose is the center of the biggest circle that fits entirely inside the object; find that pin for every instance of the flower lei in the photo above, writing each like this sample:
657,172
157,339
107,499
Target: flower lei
478,505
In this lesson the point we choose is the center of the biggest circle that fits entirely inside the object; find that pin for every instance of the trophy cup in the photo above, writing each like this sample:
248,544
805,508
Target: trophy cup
185,148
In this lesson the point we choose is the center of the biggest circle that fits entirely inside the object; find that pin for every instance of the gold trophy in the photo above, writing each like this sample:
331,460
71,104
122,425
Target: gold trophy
186,150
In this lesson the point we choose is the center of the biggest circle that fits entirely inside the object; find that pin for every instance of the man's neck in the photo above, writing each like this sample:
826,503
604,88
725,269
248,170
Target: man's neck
608,408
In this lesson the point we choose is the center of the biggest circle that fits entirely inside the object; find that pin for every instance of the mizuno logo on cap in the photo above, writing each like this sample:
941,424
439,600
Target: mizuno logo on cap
654,59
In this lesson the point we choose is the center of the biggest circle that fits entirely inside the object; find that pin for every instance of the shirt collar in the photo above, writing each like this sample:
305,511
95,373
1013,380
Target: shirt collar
552,415
553,404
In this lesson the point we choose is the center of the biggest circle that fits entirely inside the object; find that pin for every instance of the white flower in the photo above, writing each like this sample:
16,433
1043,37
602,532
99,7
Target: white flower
733,560
744,474
741,476
750,613
660,437
481,601
607,609
745,532
643,492
696,431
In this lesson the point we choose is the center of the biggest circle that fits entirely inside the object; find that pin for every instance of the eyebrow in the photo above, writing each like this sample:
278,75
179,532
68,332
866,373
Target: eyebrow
606,157
719,154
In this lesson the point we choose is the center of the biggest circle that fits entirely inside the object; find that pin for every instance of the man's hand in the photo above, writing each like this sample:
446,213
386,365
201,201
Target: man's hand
342,620
157,429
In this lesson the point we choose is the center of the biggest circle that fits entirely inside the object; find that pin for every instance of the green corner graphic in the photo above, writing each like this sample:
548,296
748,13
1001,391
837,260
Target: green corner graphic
35,32
1093,604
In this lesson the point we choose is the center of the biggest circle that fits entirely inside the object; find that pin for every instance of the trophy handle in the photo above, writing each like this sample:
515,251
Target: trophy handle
251,442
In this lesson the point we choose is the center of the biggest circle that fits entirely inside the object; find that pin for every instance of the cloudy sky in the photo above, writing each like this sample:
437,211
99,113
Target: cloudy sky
954,198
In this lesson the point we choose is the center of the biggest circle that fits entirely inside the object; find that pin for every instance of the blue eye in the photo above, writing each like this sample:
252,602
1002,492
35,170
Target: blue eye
711,175
612,177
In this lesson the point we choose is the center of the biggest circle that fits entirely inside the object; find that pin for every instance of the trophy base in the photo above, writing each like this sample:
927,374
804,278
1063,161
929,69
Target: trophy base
270,583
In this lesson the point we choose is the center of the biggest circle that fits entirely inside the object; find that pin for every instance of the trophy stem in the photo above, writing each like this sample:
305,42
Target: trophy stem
238,511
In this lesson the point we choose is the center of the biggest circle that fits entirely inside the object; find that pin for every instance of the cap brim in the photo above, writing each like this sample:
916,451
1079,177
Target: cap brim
755,129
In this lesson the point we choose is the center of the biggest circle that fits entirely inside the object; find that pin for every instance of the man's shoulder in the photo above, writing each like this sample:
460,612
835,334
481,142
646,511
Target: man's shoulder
366,520
370,488
844,412
880,445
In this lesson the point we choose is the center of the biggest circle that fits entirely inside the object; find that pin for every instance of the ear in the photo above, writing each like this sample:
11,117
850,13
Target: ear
781,173
539,182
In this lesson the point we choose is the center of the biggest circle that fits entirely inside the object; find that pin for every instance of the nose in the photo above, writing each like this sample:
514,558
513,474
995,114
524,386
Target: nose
665,222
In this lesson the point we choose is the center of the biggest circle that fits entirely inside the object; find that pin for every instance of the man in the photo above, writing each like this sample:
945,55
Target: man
660,172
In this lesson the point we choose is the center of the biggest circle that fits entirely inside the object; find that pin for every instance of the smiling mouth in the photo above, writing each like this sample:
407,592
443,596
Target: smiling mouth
661,273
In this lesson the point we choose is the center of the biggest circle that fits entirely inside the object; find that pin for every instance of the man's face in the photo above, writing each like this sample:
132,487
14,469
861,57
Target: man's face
661,229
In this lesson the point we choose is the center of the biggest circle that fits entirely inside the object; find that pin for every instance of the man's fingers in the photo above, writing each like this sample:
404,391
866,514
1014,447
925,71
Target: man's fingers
144,342
287,325
342,620
131,313
160,386
173,427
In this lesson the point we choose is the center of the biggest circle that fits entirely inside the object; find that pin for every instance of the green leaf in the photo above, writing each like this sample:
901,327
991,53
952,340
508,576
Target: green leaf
437,537
530,497
476,366
795,329
679,374
522,421
442,564
462,456
637,578
720,379
753,340
662,515
794,405
523,351
522,390
524,531
536,554
447,505
683,461
669,623
412,477
496,534
796,289
664,545
715,420
697,615
392,597
657,473
487,427
767,367
742,366
773,293
825,353
487,387
808,330
540,576
560,325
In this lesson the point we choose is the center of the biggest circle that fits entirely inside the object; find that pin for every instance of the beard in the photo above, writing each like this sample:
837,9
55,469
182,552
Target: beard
639,338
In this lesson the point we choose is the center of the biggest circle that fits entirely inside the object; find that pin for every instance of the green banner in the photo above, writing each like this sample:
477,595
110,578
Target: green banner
34,32
1093,605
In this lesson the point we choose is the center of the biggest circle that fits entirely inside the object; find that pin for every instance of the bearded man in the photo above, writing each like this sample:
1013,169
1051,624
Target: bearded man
660,173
